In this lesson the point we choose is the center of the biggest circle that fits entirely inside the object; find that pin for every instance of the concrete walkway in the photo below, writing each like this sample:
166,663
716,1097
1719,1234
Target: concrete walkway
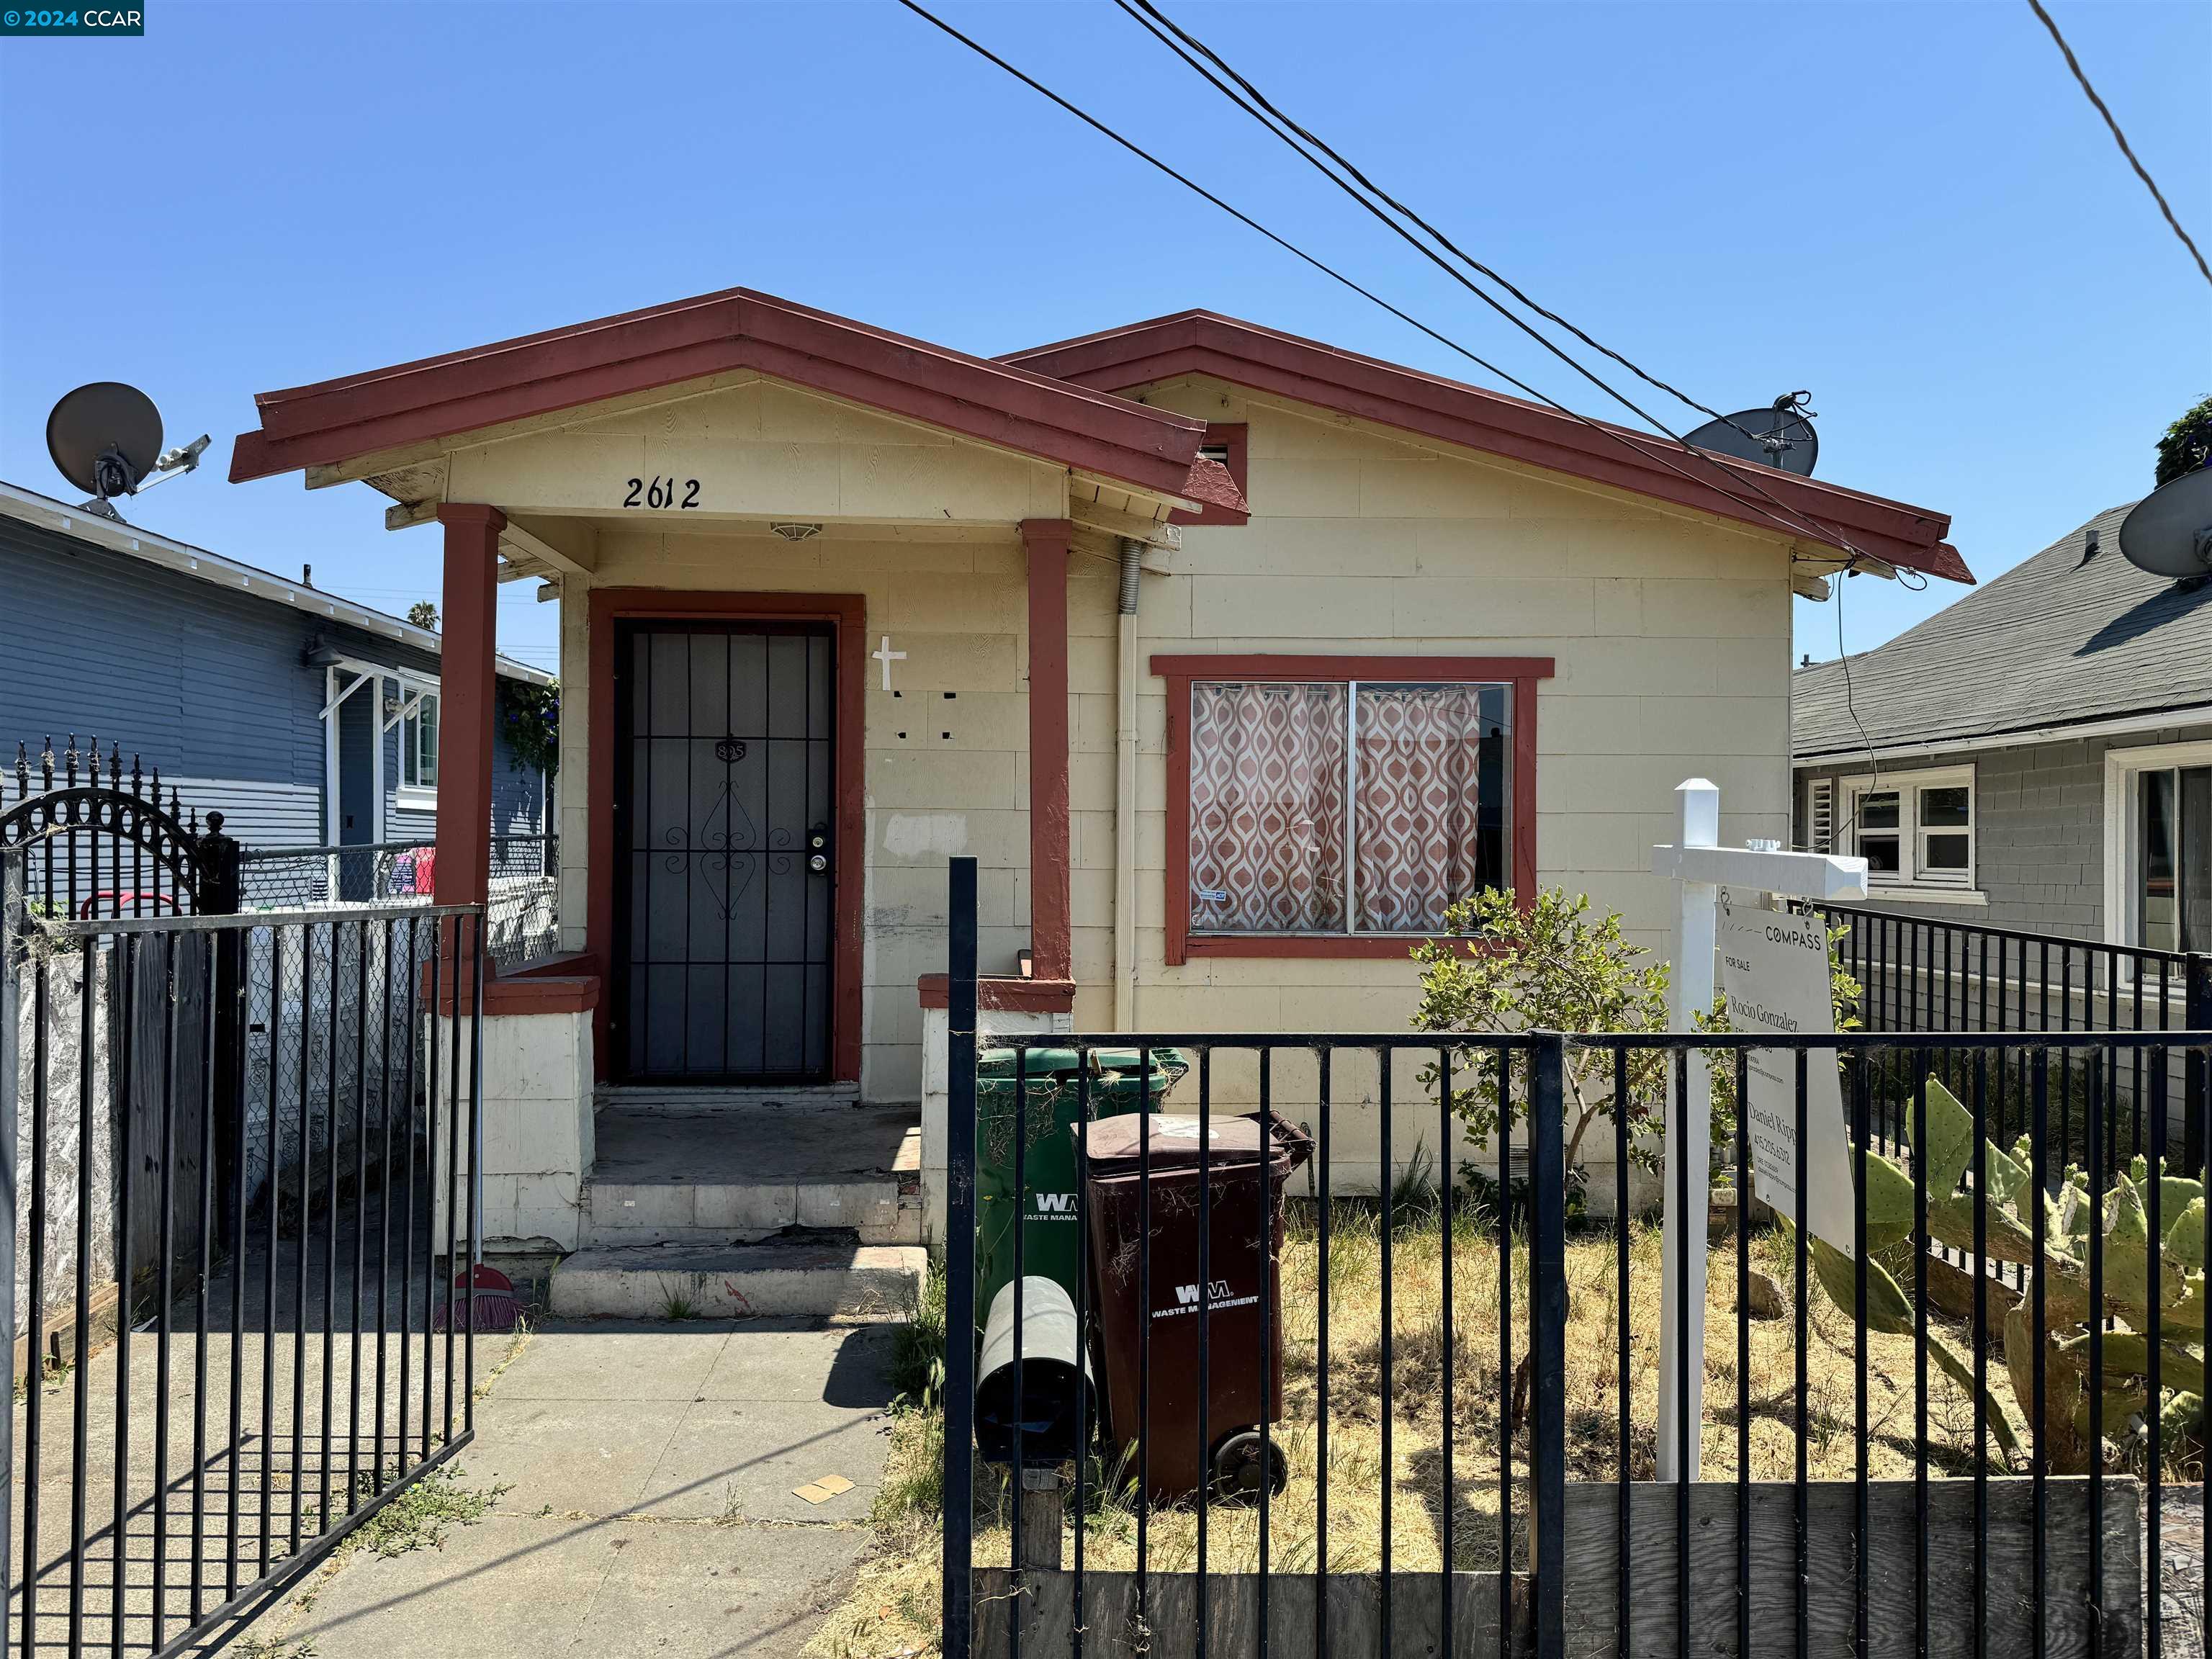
649,1505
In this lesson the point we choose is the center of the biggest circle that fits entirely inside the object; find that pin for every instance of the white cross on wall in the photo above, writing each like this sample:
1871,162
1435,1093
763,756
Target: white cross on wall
885,655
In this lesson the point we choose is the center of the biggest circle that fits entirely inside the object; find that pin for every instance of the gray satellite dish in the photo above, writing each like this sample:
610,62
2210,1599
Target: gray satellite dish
105,438
2169,532
1778,436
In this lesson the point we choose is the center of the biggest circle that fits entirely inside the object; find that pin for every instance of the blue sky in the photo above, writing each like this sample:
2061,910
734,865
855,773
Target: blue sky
1909,209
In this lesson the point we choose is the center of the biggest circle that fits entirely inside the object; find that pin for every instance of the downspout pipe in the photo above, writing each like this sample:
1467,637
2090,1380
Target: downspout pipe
1125,793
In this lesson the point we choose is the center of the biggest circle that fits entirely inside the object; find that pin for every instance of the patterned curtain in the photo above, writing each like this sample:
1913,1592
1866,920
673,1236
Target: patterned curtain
1267,808
1421,823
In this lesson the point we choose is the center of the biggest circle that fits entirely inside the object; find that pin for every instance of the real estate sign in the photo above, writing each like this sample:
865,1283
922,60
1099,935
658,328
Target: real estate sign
1774,970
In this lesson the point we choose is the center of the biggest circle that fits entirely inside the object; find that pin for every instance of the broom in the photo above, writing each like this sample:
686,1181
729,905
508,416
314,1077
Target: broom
495,1306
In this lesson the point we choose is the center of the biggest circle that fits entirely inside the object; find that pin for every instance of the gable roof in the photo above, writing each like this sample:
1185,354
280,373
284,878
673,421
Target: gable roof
2048,644
1308,371
337,421
28,506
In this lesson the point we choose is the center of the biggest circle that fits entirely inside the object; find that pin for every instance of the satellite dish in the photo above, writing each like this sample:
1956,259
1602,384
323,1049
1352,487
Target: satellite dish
105,437
2169,532
1778,436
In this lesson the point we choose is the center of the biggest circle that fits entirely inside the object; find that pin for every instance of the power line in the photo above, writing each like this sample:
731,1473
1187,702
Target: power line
1636,448
1153,14
2121,138
1832,535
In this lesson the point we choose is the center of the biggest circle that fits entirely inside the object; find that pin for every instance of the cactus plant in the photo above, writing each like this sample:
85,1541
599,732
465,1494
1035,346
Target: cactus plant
2129,1296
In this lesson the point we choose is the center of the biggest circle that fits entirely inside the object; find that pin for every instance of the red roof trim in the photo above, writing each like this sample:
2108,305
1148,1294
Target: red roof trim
1308,371
462,391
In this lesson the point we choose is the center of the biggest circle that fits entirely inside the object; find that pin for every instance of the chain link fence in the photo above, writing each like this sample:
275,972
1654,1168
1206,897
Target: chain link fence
523,910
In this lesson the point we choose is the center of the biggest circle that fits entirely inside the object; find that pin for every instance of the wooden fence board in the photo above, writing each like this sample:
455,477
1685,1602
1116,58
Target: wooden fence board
1592,1550
1115,1626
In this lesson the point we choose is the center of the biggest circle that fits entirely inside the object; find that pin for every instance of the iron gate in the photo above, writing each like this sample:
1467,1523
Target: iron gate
234,1311
93,846
1975,1427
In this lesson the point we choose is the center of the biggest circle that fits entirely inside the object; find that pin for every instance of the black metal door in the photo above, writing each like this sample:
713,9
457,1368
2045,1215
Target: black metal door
723,809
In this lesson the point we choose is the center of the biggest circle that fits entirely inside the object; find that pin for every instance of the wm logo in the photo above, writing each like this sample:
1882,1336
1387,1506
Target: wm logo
1055,1203
1186,1295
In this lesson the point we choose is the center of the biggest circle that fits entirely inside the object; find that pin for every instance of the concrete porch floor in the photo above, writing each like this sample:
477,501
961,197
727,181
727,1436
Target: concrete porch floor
739,1167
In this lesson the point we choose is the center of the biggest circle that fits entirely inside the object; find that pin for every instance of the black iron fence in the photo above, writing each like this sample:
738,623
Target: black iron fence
238,1153
1286,1357
1920,974
93,839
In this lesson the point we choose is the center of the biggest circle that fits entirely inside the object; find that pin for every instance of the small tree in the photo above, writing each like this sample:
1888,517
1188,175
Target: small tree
1549,965
2187,444
530,719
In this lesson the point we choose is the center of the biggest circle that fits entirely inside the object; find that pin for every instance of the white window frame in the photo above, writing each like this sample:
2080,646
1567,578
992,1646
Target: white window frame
1910,876
1820,815
2124,824
413,689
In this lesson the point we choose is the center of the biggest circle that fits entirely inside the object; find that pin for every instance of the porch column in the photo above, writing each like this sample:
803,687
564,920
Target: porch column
465,686
1051,930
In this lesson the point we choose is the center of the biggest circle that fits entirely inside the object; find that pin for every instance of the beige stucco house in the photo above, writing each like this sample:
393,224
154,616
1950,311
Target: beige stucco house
1231,657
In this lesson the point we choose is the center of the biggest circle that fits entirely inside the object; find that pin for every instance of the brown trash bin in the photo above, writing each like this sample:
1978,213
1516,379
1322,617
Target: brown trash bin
1237,1458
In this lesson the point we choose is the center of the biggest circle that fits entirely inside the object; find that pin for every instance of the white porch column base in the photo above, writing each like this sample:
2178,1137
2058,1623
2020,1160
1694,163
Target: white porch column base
537,1131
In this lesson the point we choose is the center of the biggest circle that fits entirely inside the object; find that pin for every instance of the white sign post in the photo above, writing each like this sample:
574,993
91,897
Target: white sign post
1700,866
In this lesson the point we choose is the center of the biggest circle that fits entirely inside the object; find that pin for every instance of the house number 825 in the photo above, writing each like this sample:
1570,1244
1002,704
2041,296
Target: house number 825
658,492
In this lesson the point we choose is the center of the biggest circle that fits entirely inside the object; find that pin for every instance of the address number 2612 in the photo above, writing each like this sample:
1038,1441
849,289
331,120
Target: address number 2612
660,493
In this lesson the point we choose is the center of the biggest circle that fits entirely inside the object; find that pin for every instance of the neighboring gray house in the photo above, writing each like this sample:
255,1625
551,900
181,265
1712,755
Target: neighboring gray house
2041,751
306,719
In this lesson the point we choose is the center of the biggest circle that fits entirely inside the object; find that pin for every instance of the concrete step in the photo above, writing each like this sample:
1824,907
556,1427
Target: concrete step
798,1277
738,1175
648,1097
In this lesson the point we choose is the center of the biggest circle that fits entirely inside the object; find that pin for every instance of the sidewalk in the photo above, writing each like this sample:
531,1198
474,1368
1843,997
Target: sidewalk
645,1477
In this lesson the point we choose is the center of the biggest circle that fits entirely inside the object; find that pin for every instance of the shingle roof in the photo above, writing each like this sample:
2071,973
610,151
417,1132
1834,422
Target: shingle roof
29,507
2048,643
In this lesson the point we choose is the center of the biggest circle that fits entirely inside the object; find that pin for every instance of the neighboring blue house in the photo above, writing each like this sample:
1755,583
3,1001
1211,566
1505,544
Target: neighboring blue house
304,719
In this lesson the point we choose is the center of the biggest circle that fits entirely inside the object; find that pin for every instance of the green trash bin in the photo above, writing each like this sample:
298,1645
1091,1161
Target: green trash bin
1052,1101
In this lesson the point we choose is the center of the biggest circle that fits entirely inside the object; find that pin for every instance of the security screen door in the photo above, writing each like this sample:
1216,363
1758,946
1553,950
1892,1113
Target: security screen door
723,815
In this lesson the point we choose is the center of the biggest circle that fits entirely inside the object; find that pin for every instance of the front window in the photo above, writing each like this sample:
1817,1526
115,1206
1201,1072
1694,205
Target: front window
1346,807
418,744
1916,829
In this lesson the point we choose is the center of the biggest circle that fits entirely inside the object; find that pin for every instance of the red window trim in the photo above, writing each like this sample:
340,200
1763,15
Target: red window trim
1522,673
1229,435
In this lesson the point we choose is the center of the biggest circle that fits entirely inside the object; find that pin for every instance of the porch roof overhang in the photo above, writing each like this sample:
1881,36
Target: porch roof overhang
368,423
1891,535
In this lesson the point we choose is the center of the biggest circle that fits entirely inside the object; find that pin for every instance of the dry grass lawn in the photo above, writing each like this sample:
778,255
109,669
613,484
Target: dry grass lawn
894,1608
